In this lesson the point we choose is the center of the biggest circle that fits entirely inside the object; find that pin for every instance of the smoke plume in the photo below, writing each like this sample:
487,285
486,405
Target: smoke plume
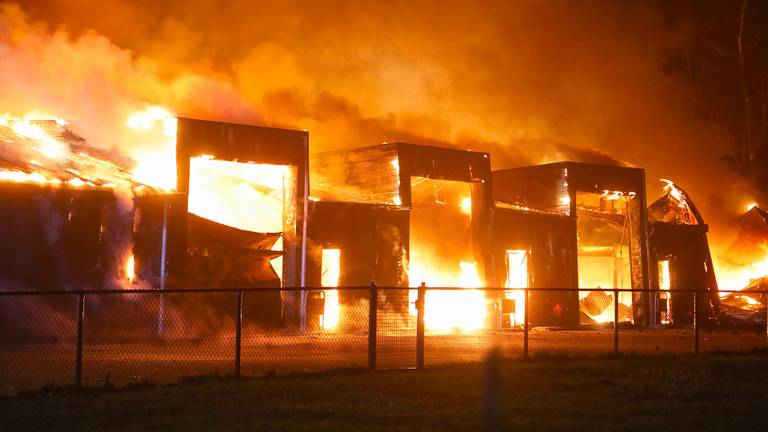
528,81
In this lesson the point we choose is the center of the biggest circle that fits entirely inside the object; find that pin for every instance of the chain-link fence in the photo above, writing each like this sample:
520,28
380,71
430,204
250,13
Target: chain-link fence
103,338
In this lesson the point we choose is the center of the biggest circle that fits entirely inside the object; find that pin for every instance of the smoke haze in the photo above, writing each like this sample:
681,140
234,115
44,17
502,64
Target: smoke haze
528,81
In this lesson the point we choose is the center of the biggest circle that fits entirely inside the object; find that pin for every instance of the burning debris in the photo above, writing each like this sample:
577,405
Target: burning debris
47,152
745,268
746,308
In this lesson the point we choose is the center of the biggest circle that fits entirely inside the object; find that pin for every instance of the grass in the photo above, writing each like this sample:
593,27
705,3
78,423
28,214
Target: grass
713,392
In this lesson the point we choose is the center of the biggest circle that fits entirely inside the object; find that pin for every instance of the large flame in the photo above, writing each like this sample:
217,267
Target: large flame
23,177
732,277
41,149
42,154
441,256
746,261
248,196
155,155
93,71
47,145
450,310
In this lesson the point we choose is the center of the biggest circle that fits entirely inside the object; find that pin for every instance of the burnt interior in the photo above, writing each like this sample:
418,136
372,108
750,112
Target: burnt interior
396,173
608,232
548,243
219,255
368,243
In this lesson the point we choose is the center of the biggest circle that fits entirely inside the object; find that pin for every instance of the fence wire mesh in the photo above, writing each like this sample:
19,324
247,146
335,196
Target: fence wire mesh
320,338
152,337
127,337
396,328
37,341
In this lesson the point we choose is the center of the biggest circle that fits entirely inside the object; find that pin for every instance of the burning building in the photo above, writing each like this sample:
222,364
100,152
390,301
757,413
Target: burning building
244,196
681,259
222,206
420,213
535,249
68,215
67,209
581,225
227,205
351,245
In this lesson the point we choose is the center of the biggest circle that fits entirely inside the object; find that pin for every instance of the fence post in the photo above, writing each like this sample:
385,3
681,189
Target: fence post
525,324
238,332
420,303
373,307
79,356
695,323
615,320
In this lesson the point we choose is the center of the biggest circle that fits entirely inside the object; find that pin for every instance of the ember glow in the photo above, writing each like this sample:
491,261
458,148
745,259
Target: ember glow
39,143
603,226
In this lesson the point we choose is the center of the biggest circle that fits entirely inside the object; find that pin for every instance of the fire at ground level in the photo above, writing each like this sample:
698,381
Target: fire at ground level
134,362
433,215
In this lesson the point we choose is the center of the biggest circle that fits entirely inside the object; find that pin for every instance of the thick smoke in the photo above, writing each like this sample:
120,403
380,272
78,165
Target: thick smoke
528,81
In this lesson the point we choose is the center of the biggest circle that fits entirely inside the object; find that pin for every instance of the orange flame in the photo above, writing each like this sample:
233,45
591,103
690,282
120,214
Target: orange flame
156,156
452,310
331,272
130,270
735,278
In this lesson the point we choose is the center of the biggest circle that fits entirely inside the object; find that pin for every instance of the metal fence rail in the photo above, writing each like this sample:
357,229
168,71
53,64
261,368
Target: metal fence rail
102,338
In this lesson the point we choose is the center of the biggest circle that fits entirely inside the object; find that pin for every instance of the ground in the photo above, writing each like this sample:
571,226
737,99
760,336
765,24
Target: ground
709,392
128,361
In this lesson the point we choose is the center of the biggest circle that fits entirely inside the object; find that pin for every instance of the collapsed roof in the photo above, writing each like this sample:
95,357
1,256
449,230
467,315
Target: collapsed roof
48,152
675,207
220,254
